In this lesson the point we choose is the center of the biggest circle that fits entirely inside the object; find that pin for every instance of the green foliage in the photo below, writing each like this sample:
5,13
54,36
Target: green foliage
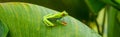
117,1
114,3
3,30
75,8
113,22
26,20
95,5
84,10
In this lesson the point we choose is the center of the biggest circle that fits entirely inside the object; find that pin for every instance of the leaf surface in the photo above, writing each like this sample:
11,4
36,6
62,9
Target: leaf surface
26,20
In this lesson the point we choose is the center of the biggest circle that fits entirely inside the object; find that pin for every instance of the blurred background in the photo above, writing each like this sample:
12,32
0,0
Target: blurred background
100,15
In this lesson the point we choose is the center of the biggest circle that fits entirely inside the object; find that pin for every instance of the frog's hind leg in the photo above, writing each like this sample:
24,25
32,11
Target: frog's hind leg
3,30
46,21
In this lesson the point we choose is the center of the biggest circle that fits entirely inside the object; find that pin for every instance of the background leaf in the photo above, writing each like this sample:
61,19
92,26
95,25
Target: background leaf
113,25
95,5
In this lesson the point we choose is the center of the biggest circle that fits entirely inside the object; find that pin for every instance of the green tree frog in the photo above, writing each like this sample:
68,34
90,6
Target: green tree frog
56,18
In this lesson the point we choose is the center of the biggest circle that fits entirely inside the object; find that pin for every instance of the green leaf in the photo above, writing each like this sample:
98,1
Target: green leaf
109,2
3,30
117,1
76,8
113,25
114,3
95,5
26,20
118,16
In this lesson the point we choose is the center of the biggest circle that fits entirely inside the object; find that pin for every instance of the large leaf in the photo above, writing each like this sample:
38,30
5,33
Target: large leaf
75,8
26,20
3,30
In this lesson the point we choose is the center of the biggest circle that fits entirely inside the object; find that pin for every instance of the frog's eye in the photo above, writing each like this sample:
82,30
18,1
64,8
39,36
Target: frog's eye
63,14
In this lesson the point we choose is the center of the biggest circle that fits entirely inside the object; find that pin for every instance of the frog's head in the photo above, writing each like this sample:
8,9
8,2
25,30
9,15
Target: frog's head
64,13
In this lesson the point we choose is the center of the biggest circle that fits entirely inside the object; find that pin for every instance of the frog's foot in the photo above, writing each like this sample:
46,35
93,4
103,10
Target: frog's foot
64,23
